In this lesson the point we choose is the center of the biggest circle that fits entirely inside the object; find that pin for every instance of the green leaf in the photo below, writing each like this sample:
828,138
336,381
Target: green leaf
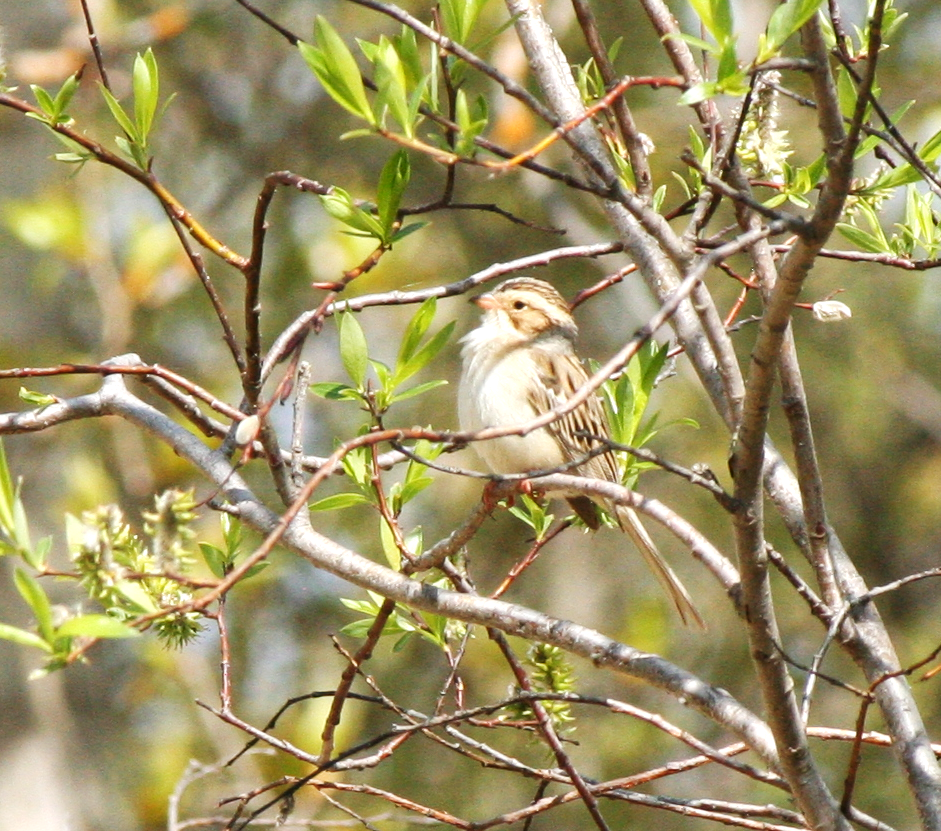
698,93
353,349
728,67
65,94
716,17
256,569
904,174
44,99
146,85
117,111
339,500
862,239
23,637
336,68
472,120
787,19
695,42
407,230
357,629
334,391
35,596
37,399
340,205
8,494
215,558
419,389
533,513
416,329
356,464
136,595
459,17
424,355
931,148
364,607
38,556
233,533
392,183
392,87
413,486
95,626
389,548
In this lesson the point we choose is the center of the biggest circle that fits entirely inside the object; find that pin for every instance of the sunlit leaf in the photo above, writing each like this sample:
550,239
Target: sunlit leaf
37,600
336,68
392,87
338,501
95,626
392,183
353,348
787,19
146,86
23,637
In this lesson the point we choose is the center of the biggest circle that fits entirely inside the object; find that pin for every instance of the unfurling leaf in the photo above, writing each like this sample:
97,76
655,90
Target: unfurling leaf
353,349
336,68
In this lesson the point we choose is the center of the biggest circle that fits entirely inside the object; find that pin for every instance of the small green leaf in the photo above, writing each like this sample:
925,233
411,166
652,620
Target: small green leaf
419,389
334,391
695,42
424,355
862,239
38,556
146,85
340,205
364,607
931,149
356,464
904,174
135,594
256,569
391,86
23,637
728,67
357,629
787,19
716,17
407,230
215,558
95,626
336,68
44,99
471,119
65,94
416,329
698,93
117,111
392,183
339,500
353,349
35,596
8,494
37,399
389,548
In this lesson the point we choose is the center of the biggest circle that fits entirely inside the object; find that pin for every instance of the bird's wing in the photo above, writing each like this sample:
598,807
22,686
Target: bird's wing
561,376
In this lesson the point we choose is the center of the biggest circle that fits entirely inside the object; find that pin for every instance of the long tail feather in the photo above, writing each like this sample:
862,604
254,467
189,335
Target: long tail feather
630,523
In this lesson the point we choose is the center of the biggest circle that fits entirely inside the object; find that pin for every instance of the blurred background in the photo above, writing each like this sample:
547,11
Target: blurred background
90,269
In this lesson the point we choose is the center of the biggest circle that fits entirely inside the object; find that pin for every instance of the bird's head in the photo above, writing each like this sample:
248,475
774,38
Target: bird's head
527,307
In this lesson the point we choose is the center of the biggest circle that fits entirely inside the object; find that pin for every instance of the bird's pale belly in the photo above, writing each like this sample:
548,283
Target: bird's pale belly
502,403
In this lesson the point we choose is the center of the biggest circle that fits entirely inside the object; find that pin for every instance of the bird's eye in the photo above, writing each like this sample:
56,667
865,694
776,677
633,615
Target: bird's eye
519,305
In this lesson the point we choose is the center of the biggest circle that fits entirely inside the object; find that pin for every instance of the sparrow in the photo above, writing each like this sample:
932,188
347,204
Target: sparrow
518,364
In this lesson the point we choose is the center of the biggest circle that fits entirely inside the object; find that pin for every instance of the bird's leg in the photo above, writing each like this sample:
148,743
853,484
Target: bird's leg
495,490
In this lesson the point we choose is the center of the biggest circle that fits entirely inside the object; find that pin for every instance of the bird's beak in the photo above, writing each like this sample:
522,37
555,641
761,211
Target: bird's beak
485,301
